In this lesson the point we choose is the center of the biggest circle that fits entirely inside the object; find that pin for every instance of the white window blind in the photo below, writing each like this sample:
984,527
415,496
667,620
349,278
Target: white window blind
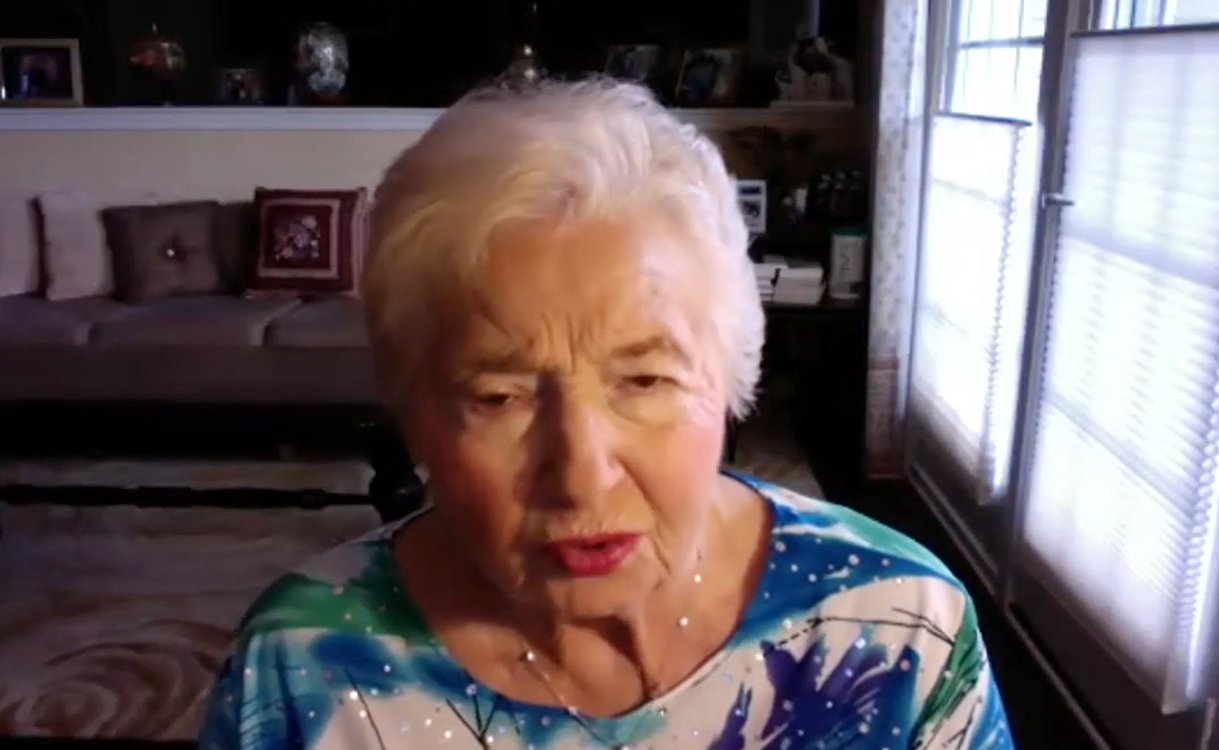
1122,501
1133,14
1191,11
971,300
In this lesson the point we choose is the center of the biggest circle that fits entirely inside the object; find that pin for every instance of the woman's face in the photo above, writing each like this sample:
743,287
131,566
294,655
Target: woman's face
573,414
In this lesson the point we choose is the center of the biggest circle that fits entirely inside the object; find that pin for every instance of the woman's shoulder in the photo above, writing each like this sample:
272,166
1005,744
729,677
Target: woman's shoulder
353,588
808,523
858,629
827,560
319,641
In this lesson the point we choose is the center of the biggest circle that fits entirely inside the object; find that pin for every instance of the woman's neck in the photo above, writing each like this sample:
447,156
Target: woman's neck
639,652
642,636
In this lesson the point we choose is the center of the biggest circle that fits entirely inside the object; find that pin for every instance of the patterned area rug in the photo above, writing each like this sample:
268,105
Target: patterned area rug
114,619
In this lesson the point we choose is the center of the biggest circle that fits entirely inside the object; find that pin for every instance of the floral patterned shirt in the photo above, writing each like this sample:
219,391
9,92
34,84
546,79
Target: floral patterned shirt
856,638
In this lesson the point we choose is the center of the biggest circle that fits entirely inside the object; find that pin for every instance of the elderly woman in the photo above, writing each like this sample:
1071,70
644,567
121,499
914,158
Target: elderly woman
563,315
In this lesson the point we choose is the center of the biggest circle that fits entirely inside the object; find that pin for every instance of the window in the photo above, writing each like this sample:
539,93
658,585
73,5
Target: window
973,265
1106,546
1122,507
994,64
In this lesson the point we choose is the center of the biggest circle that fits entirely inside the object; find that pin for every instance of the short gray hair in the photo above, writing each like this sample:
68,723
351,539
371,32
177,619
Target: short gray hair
566,151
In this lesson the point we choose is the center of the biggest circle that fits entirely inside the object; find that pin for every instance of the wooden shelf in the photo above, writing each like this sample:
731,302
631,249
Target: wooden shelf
335,118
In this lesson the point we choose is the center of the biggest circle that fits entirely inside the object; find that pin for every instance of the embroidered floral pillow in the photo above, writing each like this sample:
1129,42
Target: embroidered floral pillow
310,241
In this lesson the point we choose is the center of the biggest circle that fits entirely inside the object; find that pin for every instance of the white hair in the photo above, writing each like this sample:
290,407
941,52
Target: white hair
559,151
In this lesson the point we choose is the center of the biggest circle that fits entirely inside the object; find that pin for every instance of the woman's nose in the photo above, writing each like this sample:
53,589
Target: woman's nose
585,462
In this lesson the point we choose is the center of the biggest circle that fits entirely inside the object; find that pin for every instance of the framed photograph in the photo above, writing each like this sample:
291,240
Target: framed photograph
709,77
632,62
751,195
238,86
40,73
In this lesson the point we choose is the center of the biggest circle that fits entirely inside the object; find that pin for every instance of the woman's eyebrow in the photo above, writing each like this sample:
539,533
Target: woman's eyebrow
499,361
655,344
519,361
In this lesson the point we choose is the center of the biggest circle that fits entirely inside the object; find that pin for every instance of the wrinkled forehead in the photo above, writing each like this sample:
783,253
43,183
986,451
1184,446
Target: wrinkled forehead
581,291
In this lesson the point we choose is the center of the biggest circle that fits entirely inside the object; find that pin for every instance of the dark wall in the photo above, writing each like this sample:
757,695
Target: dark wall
403,53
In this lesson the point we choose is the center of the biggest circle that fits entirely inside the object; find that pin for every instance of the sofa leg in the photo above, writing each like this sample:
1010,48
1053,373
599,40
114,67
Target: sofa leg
395,489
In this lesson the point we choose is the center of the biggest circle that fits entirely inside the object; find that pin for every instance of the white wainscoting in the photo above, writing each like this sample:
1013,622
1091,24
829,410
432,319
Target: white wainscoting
134,155
334,118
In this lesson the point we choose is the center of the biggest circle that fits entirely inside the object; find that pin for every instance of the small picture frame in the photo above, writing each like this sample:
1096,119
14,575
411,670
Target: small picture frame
632,62
239,86
40,73
751,195
709,77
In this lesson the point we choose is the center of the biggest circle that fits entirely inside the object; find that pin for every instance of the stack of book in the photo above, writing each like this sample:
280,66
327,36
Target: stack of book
766,272
802,285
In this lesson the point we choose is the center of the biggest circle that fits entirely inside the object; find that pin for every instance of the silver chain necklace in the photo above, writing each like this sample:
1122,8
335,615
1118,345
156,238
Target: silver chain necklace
530,658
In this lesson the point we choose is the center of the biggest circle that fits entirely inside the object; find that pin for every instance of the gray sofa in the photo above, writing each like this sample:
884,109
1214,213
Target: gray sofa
199,349
217,348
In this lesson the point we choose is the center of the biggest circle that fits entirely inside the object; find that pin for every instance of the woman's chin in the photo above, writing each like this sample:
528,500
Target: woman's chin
595,598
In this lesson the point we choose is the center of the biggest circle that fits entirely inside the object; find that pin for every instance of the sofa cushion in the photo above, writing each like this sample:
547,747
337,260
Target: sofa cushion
36,321
163,250
205,320
334,323
310,241
74,253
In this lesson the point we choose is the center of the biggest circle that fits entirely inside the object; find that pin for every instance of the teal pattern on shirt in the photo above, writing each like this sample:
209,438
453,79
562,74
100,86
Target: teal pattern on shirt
857,638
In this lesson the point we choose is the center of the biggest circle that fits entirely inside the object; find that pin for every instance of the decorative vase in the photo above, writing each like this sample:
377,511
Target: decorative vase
160,61
322,64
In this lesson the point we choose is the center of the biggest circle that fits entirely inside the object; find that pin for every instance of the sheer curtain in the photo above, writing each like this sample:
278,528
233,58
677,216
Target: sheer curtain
1122,505
899,164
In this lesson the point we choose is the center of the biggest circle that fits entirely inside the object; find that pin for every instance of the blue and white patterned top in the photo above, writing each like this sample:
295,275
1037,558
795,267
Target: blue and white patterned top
857,638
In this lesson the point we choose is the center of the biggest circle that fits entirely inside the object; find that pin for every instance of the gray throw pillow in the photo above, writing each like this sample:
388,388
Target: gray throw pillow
163,250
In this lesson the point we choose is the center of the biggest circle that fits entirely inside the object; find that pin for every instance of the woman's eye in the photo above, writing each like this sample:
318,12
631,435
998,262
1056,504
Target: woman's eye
645,382
492,400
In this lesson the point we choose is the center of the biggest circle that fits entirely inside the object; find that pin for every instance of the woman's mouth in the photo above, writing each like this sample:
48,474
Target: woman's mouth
597,555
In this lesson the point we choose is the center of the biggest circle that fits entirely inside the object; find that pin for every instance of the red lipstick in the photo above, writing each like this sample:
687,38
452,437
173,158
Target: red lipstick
596,555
